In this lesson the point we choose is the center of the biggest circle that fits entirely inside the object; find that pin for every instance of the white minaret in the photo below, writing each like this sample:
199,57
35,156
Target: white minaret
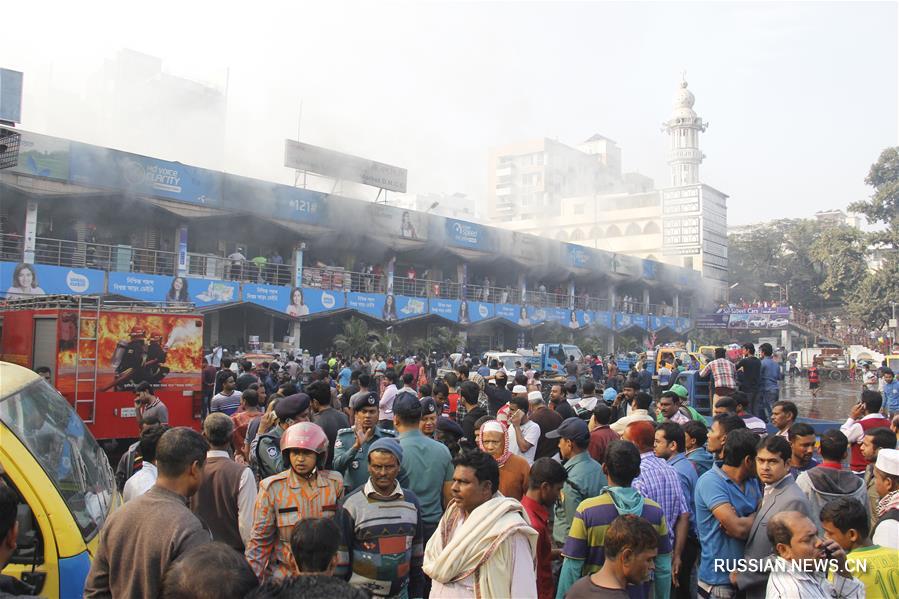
684,156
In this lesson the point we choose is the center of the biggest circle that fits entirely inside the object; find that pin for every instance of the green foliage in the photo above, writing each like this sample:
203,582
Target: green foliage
841,252
444,340
355,337
871,301
883,207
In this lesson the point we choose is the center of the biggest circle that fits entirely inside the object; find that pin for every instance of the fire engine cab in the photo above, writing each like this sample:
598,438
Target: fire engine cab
99,350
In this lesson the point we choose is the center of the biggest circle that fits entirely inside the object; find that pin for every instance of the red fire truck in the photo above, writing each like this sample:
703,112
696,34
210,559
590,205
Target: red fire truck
99,350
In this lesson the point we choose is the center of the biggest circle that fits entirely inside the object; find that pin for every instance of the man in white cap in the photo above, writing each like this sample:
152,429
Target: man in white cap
886,482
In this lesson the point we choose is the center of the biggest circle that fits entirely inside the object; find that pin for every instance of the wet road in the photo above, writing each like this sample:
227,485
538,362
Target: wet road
834,401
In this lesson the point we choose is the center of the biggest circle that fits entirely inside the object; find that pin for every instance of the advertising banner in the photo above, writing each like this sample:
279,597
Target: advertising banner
449,309
650,270
683,325
640,320
629,266
406,307
603,319
164,350
745,319
511,312
25,280
306,157
271,199
623,321
43,156
466,235
655,323
366,303
274,297
208,292
669,322
536,315
478,311
148,288
320,300
560,315
101,167
577,256
393,222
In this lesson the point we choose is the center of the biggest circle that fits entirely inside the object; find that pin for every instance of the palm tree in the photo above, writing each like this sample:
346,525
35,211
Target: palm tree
355,337
444,340
385,343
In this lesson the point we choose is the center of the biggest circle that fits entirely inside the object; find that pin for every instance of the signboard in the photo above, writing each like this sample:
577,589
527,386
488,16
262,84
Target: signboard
577,255
449,309
366,303
43,156
321,300
101,167
512,313
478,311
281,201
745,318
208,292
397,223
274,297
148,288
603,319
27,280
681,200
681,235
464,234
10,96
306,157
407,307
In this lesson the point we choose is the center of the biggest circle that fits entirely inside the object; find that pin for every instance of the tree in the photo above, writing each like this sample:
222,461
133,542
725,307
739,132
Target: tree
841,251
355,337
444,340
385,342
871,301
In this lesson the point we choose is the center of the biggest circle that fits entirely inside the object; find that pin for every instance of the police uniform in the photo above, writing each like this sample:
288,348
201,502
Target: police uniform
353,463
265,450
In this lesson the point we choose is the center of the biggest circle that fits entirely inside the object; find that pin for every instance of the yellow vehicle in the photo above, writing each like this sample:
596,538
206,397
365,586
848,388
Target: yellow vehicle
893,362
669,354
65,485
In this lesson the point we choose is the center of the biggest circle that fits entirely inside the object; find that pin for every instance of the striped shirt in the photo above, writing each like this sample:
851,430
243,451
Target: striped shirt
660,482
592,520
227,404
381,549
283,501
724,374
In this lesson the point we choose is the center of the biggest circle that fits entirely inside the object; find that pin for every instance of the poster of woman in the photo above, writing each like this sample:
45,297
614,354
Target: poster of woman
177,292
24,281
523,320
297,306
463,312
389,312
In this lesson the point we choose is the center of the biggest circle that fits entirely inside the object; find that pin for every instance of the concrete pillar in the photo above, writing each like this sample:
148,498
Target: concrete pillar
30,231
298,265
676,302
571,294
613,297
610,343
646,300
213,322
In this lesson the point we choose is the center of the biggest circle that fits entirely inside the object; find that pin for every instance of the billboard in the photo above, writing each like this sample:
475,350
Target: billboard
163,349
43,156
463,234
101,167
449,309
208,292
366,303
306,157
26,280
150,288
397,223
405,307
317,300
745,318
10,96
476,311
271,199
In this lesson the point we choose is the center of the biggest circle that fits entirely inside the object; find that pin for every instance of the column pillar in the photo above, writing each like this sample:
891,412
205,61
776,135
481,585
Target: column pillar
30,231
646,300
676,303
181,248
613,298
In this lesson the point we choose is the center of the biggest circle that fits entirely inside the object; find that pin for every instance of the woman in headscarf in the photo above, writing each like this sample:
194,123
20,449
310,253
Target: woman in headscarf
513,469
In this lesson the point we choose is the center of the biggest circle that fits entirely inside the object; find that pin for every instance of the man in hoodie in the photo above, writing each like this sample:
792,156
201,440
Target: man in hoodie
695,435
727,497
583,551
829,481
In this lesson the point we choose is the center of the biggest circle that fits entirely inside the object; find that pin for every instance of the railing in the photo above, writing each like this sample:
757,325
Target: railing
124,258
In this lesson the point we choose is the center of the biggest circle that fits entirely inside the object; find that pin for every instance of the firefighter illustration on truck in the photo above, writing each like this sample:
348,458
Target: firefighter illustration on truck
136,361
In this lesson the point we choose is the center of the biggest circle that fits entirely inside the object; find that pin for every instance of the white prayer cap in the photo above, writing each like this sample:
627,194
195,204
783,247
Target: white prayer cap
519,389
492,426
535,396
888,461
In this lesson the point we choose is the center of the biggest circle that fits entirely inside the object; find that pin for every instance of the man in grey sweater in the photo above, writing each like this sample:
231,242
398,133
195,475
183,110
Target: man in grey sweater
142,538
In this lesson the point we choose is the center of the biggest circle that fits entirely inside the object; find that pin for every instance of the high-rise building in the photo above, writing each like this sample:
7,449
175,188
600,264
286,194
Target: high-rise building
581,196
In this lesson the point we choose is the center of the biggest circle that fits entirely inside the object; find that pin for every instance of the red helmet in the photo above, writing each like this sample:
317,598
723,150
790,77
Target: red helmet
138,331
305,435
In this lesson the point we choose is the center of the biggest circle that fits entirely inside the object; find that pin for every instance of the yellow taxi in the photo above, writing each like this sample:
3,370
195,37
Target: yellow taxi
65,486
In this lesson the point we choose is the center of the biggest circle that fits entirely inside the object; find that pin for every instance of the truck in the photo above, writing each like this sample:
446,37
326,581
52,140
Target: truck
833,363
99,350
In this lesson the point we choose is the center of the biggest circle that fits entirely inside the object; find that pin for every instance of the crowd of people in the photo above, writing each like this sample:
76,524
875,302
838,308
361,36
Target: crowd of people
369,477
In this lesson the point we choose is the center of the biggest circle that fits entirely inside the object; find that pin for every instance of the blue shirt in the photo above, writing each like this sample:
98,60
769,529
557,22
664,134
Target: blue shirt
484,371
891,396
688,476
713,489
344,377
769,375
427,464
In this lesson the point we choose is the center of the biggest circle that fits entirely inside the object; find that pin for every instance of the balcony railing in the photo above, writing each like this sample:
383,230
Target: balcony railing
124,258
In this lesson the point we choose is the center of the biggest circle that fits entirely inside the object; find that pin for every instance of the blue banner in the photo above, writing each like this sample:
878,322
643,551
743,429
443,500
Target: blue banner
640,320
603,319
683,325
464,234
511,312
272,199
148,288
478,311
623,321
560,315
208,292
655,323
669,322
650,269
449,309
275,297
23,280
578,256
536,315
585,318
320,300
366,303
407,307
102,167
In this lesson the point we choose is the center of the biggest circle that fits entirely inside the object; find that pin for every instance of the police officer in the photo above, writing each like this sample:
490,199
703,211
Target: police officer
352,444
303,490
265,451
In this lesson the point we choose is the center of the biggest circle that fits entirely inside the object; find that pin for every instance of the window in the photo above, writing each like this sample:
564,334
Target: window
633,229
651,228
613,231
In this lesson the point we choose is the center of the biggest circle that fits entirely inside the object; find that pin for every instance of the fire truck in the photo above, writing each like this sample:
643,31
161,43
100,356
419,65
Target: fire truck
100,350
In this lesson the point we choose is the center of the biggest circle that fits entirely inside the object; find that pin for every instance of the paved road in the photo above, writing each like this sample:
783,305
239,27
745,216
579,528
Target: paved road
834,400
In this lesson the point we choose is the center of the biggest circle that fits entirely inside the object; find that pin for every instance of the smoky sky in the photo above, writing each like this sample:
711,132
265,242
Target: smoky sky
800,97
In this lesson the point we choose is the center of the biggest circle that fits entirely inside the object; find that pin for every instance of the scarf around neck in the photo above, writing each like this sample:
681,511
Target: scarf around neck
888,502
494,426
